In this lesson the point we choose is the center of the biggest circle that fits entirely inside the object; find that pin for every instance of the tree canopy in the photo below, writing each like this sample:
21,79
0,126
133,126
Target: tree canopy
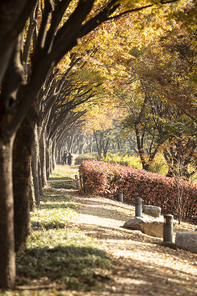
37,40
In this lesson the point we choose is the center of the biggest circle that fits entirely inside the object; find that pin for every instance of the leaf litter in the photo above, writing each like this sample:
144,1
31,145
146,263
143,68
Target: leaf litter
143,266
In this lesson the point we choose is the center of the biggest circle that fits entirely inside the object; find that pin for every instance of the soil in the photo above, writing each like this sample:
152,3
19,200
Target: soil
143,266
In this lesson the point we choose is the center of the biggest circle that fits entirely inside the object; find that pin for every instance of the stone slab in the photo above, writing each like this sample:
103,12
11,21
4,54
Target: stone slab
153,227
187,241
151,210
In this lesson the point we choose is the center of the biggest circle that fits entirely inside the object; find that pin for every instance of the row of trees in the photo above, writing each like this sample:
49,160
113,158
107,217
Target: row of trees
36,105
82,141
51,62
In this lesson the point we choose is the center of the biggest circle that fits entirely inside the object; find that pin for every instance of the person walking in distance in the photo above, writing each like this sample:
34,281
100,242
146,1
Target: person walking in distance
64,157
69,158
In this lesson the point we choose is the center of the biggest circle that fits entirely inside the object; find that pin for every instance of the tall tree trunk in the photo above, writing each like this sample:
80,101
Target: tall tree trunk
105,147
40,178
70,144
42,145
90,147
98,139
53,154
22,182
59,153
32,199
35,165
7,251
47,155
81,148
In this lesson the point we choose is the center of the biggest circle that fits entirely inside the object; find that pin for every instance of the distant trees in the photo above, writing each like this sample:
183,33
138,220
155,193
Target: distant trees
161,127
160,95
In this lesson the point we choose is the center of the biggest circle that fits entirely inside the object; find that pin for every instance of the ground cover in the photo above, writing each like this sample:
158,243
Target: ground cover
78,247
58,179
59,256
143,266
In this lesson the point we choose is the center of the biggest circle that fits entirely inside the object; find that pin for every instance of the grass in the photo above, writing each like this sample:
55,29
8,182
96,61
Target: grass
58,256
64,256
61,184
64,172
64,177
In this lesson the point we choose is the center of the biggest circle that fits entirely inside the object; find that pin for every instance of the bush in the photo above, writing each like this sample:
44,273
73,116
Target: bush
109,178
159,165
88,156
133,161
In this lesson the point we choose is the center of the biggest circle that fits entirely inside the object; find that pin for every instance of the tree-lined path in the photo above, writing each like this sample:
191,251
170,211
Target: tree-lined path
62,62
142,266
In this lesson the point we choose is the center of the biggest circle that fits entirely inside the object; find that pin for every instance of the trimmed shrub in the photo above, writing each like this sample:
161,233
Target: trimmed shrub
108,179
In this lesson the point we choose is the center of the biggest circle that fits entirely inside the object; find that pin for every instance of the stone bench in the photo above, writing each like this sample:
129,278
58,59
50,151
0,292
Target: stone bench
149,226
153,227
187,241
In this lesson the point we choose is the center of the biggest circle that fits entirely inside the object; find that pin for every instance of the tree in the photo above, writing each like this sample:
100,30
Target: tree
19,91
14,14
169,65
146,119
180,147
162,127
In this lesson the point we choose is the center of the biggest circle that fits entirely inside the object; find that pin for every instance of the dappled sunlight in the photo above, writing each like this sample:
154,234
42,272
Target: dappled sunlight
143,265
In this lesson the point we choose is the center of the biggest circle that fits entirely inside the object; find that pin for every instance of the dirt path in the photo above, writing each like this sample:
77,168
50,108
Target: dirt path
143,267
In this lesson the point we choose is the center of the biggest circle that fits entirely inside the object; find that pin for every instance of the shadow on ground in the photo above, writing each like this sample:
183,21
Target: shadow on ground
73,267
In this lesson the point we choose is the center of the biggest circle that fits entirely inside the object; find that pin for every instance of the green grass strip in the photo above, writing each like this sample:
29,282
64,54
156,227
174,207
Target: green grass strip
59,253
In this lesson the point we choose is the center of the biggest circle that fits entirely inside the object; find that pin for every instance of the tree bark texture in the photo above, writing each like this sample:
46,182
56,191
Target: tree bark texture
32,199
48,160
12,19
35,165
7,251
54,154
22,182
42,146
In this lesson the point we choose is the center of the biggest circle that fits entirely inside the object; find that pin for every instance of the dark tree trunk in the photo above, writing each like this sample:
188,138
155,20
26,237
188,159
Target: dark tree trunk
12,19
81,148
7,252
105,147
145,166
22,182
42,146
40,178
98,143
47,155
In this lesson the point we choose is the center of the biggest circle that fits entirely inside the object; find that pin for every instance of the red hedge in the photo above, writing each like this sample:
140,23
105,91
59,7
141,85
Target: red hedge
108,179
